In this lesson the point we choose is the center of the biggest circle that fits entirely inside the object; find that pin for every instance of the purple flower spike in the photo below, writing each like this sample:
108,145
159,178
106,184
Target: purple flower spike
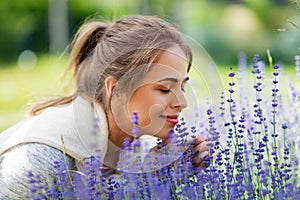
134,118
231,74
297,65
209,112
136,143
256,58
231,91
284,126
135,130
276,67
126,144
275,73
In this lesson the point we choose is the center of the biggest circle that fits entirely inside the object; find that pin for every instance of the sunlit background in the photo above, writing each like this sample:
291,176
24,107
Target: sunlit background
35,33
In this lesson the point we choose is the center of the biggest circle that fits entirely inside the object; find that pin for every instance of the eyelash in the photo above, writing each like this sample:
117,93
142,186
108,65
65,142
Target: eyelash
165,90
168,90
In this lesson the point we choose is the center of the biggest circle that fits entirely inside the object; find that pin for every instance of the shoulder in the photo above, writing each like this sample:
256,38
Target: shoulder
20,163
34,155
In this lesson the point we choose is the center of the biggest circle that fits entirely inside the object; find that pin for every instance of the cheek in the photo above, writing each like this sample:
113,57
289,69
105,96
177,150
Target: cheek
151,115
148,106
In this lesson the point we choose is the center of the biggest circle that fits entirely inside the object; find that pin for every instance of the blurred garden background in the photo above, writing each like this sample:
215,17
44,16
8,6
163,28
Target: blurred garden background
35,33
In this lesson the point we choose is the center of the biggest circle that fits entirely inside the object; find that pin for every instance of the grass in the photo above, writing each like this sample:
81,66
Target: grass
18,87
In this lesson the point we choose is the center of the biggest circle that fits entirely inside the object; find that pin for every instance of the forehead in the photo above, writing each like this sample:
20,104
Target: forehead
171,63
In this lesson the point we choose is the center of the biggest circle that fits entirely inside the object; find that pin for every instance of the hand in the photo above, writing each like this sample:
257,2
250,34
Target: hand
202,156
160,156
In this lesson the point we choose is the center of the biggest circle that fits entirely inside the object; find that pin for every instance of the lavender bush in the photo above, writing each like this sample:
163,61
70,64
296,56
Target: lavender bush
253,134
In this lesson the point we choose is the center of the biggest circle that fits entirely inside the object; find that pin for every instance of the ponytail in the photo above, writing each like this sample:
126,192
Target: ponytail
82,46
85,42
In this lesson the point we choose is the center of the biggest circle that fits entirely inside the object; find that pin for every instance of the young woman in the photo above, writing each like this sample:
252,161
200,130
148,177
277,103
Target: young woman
137,64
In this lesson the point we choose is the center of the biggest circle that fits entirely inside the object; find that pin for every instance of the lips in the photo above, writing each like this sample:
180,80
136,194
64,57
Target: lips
173,119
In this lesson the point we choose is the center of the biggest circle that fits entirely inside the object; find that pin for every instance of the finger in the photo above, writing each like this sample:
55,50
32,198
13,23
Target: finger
204,154
199,158
199,161
199,140
201,147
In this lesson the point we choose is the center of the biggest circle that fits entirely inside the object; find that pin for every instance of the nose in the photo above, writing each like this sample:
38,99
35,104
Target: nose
179,100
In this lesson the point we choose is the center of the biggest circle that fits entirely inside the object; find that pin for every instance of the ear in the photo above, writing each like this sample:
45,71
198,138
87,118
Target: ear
110,83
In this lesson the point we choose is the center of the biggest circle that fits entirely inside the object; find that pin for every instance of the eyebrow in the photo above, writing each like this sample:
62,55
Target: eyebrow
174,80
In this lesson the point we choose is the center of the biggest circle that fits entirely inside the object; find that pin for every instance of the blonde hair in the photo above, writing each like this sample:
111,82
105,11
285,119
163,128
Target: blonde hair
123,50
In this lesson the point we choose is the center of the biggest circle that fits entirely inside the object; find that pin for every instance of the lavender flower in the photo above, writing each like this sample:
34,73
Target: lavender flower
253,153
297,64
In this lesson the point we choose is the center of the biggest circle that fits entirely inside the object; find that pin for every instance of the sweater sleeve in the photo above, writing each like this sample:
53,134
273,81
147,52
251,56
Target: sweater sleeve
19,166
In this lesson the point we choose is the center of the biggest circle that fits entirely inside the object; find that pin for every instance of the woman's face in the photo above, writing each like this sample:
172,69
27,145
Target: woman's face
160,97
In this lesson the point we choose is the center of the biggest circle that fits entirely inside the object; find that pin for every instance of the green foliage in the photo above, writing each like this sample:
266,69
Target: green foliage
214,24
19,87
21,25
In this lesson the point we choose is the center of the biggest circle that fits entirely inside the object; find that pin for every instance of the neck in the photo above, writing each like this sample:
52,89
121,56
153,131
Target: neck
115,134
112,156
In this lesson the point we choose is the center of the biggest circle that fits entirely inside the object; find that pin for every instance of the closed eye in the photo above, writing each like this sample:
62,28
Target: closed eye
165,90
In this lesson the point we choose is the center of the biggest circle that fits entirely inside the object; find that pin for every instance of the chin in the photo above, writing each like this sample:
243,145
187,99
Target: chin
164,133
